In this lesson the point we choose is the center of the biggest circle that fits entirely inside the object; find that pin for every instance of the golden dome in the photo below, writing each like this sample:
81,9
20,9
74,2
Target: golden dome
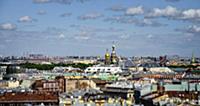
107,55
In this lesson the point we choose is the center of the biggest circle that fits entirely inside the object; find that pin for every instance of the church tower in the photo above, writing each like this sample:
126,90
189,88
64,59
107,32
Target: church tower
113,55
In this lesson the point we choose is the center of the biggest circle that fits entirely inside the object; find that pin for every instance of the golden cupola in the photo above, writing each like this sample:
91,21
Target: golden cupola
107,57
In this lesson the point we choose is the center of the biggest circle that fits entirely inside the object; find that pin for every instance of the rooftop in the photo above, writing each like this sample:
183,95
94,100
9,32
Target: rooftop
28,97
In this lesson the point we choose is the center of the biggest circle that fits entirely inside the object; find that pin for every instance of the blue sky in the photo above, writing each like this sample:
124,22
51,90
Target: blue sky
88,27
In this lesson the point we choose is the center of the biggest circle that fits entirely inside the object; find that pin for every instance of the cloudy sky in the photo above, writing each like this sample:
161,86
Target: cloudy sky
88,27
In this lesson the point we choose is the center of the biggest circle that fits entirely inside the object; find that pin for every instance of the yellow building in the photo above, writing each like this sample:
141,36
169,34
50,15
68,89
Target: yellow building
72,84
9,84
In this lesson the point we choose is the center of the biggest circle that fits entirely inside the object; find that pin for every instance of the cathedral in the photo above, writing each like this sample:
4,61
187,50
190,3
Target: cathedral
111,58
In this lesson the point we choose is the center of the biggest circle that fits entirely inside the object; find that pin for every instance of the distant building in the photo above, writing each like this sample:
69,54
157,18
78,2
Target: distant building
121,89
36,56
103,69
111,59
151,67
162,60
84,61
57,85
75,84
9,84
111,64
3,70
11,69
66,69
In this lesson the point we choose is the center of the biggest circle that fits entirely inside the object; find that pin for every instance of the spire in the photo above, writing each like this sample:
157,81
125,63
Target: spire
113,47
107,50
193,58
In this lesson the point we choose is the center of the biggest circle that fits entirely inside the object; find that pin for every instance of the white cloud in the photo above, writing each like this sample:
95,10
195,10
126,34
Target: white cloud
41,12
59,1
135,21
61,36
25,19
172,0
8,26
193,29
150,36
135,10
117,8
173,13
114,19
41,1
83,35
190,30
124,36
148,22
66,14
169,11
90,16
191,14
82,1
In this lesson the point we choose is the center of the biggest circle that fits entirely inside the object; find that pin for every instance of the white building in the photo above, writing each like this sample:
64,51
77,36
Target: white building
55,69
153,69
103,69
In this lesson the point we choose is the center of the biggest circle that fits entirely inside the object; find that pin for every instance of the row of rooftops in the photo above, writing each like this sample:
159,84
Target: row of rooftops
28,97
121,84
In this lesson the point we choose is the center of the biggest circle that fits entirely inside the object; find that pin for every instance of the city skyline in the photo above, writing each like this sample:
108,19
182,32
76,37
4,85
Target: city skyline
88,27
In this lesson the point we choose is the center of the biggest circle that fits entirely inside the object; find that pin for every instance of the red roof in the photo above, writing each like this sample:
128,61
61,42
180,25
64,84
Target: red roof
28,97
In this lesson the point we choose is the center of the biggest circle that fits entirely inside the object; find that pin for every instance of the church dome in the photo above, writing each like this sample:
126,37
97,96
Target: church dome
107,55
